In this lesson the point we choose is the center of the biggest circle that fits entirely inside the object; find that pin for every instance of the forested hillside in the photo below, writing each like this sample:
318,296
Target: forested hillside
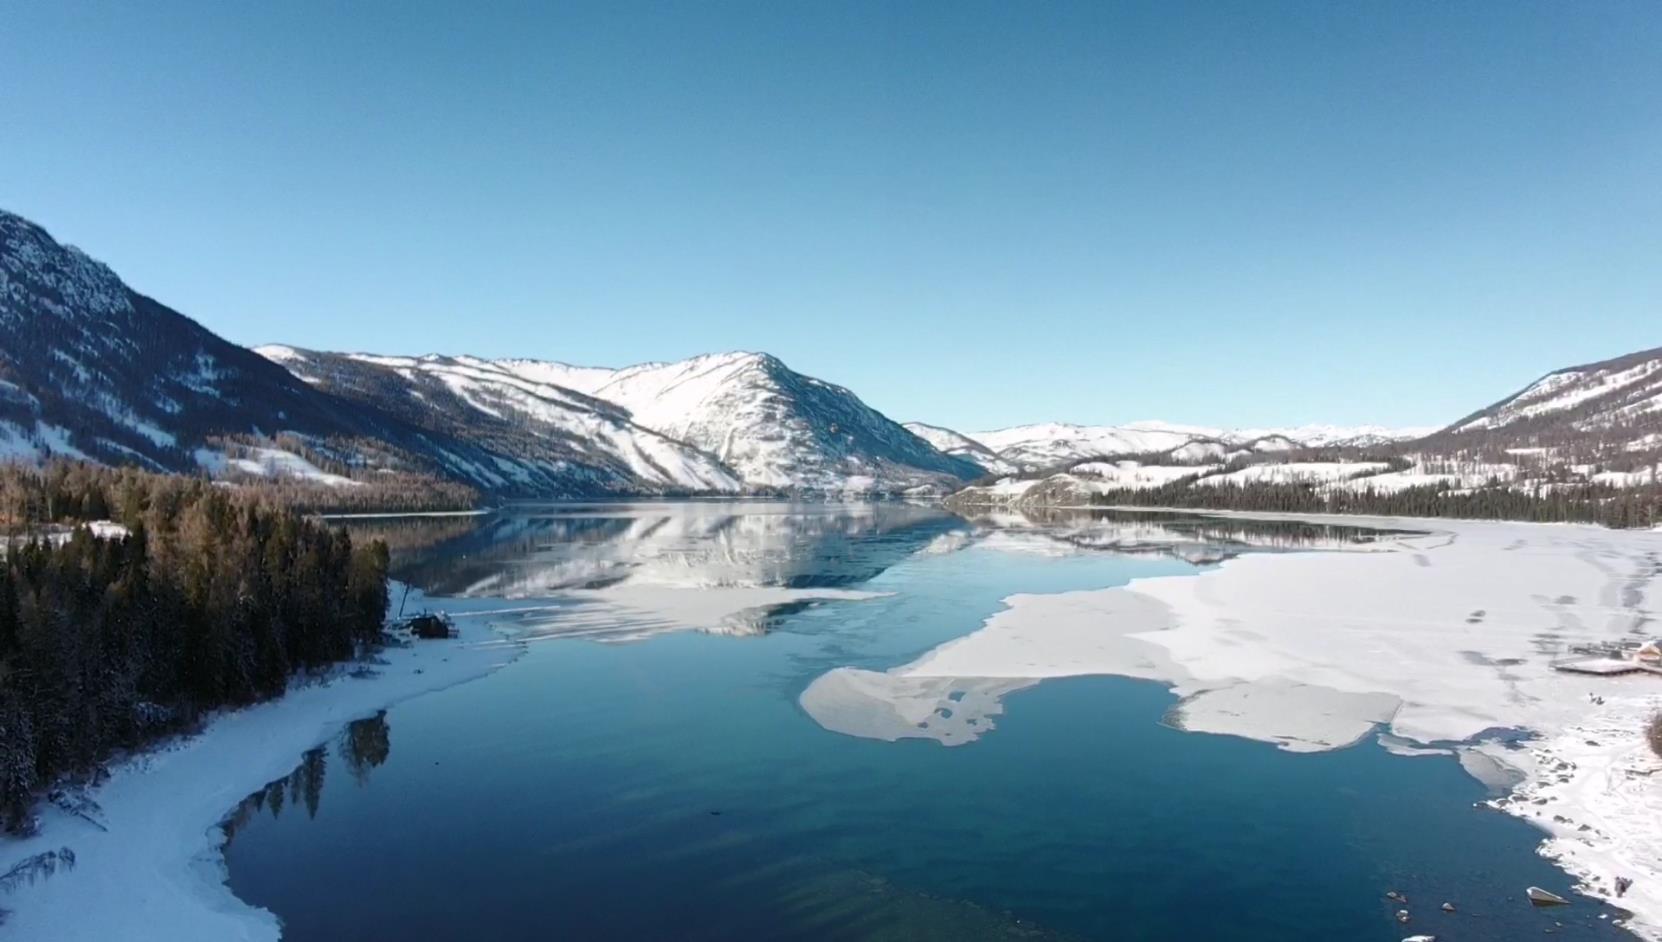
1579,503
203,596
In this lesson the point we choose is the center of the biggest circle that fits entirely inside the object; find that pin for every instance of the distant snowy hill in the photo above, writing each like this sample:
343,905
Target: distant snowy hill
1336,436
947,441
1053,444
1596,425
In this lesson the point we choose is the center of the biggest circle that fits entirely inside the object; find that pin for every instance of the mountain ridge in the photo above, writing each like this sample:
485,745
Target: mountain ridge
92,369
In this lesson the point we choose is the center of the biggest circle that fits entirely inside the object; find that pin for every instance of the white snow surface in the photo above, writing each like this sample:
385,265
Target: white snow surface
1435,638
1137,476
269,463
44,440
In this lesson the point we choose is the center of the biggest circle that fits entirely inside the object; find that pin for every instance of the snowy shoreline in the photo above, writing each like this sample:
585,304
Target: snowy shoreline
1435,640
154,868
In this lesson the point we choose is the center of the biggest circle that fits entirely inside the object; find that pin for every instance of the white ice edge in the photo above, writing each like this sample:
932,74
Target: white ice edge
158,872
1446,636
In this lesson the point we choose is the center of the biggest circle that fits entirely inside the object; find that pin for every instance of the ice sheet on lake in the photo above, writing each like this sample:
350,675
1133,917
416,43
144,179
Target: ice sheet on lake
1445,638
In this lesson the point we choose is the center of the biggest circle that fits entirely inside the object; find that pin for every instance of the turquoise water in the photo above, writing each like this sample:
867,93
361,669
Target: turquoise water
672,788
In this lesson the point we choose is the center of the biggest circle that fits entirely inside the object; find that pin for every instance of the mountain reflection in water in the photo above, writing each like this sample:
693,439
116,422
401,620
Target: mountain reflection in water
1197,538
534,550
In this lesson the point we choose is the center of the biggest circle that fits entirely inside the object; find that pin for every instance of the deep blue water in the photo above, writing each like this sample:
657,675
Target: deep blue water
672,788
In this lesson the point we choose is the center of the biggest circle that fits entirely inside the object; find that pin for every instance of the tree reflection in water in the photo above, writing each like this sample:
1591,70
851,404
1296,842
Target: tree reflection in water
363,745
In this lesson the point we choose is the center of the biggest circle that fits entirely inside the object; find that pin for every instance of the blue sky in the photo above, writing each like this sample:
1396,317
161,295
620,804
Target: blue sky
972,214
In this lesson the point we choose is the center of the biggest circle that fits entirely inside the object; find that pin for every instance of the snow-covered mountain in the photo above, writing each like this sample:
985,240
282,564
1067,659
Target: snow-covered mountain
1610,411
540,439
1596,425
91,369
947,441
771,425
1051,444
721,422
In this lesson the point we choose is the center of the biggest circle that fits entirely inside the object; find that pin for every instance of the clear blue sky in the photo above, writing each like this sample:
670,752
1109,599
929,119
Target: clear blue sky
973,214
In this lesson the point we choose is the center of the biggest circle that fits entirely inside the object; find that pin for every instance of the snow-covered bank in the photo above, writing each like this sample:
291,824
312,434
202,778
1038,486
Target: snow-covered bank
1597,789
155,870
1441,637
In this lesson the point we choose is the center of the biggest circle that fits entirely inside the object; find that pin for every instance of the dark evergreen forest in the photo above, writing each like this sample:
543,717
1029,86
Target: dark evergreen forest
216,596
1556,503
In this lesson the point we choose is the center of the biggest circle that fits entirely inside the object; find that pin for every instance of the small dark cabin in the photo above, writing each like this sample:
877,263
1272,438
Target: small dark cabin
431,625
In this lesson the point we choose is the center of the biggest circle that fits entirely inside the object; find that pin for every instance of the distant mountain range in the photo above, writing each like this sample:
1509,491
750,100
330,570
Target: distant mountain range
1051,445
1574,430
91,369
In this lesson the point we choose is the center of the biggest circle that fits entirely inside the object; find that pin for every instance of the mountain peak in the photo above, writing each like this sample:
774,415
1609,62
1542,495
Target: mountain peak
118,376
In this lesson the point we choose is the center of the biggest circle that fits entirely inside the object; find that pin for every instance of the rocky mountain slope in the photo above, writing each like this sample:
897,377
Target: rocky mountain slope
90,368
1608,412
947,441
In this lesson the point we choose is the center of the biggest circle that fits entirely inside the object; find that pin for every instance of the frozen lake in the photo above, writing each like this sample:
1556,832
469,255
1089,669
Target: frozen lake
647,769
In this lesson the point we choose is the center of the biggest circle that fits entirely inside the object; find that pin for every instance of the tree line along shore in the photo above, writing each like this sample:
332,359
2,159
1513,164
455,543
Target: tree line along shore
192,597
